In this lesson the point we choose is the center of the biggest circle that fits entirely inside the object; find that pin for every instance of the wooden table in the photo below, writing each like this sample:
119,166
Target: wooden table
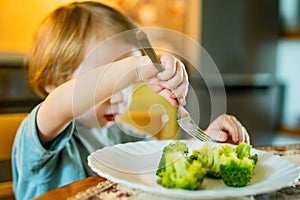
72,189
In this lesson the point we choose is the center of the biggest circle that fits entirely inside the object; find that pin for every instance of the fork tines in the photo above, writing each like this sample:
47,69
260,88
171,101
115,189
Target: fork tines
201,135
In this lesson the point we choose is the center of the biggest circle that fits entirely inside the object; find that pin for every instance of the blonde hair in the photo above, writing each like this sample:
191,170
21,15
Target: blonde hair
61,40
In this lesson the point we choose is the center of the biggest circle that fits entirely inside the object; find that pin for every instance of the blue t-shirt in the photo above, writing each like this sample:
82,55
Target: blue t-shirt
37,169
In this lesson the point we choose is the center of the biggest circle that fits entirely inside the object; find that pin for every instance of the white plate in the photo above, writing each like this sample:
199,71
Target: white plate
135,164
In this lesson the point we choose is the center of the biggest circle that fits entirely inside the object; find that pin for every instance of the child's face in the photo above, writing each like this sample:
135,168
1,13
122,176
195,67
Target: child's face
105,113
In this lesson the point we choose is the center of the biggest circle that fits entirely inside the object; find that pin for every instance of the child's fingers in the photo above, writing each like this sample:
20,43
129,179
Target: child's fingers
181,90
167,95
226,124
169,64
246,135
180,94
240,134
218,135
227,128
154,84
175,80
178,84
236,129
182,101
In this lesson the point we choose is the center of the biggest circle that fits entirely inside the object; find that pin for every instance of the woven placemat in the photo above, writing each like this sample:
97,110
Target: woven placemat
108,190
289,152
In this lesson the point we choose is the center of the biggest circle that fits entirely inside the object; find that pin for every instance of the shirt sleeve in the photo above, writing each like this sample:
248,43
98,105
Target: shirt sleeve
29,151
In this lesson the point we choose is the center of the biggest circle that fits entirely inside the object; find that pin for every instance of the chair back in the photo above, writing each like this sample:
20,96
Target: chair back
9,124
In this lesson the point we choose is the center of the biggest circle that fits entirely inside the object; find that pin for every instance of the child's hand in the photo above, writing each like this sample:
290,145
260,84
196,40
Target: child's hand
226,128
172,83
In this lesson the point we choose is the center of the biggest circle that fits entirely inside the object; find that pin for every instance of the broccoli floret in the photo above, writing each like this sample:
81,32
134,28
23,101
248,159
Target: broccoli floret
178,147
213,163
243,150
234,165
211,156
237,170
177,170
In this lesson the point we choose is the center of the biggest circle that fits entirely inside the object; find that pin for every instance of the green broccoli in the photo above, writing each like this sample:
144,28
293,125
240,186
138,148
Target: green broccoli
234,165
238,170
178,147
210,155
177,170
243,150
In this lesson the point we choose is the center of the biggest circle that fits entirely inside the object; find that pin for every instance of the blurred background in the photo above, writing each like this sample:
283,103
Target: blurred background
255,45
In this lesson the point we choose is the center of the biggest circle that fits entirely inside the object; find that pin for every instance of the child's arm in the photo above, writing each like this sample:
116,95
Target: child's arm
77,96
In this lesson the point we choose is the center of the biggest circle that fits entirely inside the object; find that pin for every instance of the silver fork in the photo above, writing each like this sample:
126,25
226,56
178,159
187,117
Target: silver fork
183,117
186,122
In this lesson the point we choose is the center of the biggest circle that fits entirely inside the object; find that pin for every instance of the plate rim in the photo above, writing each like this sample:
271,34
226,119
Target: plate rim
199,194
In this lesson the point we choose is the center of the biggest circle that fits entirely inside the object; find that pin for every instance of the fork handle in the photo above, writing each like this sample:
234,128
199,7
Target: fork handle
144,41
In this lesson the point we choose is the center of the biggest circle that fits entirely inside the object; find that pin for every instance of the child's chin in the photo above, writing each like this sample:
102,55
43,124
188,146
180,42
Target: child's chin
109,123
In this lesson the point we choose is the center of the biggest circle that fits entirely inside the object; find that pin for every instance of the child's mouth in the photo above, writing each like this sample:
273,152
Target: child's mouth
110,117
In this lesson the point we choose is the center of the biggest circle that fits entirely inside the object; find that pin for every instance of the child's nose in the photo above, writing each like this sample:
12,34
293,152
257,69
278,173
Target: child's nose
116,98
